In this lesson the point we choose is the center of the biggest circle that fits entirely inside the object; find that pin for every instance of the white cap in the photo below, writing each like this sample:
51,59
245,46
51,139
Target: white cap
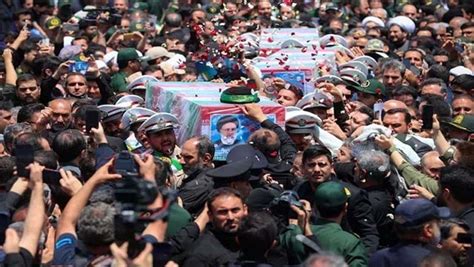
373,19
460,70
404,22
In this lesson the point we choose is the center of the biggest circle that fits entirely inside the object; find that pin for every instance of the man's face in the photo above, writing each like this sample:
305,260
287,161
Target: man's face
457,250
405,98
321,112
175,44
226,213
301,140
392,78
82,43
286,12
76,85
432,89
469,33
357,119
198,16
112,128
61,115
228,130
93,90
318,169
6,118
396,35
120,5
91,31
190,157
265,9
396,122
432,167
230,9
38,122
462,106
28,91
125,24
415,58
24,19
286,98
441,59
410,11
163,141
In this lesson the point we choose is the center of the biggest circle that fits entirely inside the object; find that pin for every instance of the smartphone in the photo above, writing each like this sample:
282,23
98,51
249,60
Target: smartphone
427,117
44,42
79,66
125,163
128,36
92,120
378,110
412,68
24,156
464,238
51,177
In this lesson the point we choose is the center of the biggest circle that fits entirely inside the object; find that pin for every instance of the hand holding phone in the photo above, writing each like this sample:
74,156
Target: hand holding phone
24,156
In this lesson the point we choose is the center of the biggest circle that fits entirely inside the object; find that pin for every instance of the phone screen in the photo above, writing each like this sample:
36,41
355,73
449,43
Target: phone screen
92,119
24,155
427,116
51,177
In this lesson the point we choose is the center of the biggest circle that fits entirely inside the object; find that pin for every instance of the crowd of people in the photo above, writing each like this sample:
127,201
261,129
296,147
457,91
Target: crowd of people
374,166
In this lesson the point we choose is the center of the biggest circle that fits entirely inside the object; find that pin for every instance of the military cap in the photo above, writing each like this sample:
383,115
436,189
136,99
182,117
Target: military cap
464,122
239,95
130,101
373,19
135,115
301,122
143,6
261,198
340,48
112,112
329,40
68,52
355,65
315,100
330,195
414,212
111,57
126,54
376,48
353,77
234,171
159,122
369,61
404,22
157,52
52,23
373,87
140,82
329,79
291,43
332,6
246,151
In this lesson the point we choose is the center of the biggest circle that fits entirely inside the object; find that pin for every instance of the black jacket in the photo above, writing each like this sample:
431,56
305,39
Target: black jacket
359,218
213,249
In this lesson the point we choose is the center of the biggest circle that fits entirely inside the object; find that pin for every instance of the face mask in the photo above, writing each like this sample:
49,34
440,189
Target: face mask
228,140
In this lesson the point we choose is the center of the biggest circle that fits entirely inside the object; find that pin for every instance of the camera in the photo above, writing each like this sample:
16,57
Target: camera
281,205
114,18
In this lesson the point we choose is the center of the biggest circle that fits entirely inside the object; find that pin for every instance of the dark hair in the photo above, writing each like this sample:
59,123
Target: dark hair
204,146
14,130
315,151
466,25
21,11
28,46
69,144
466,149
367,111
82,111
95,226
256,234
47,158
440,107
32,139
464,81
261,139
26,112
400,110
7,167
446,226
460,182
436,81
220,192
440,52
405,90
25,77
426,28
438,71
